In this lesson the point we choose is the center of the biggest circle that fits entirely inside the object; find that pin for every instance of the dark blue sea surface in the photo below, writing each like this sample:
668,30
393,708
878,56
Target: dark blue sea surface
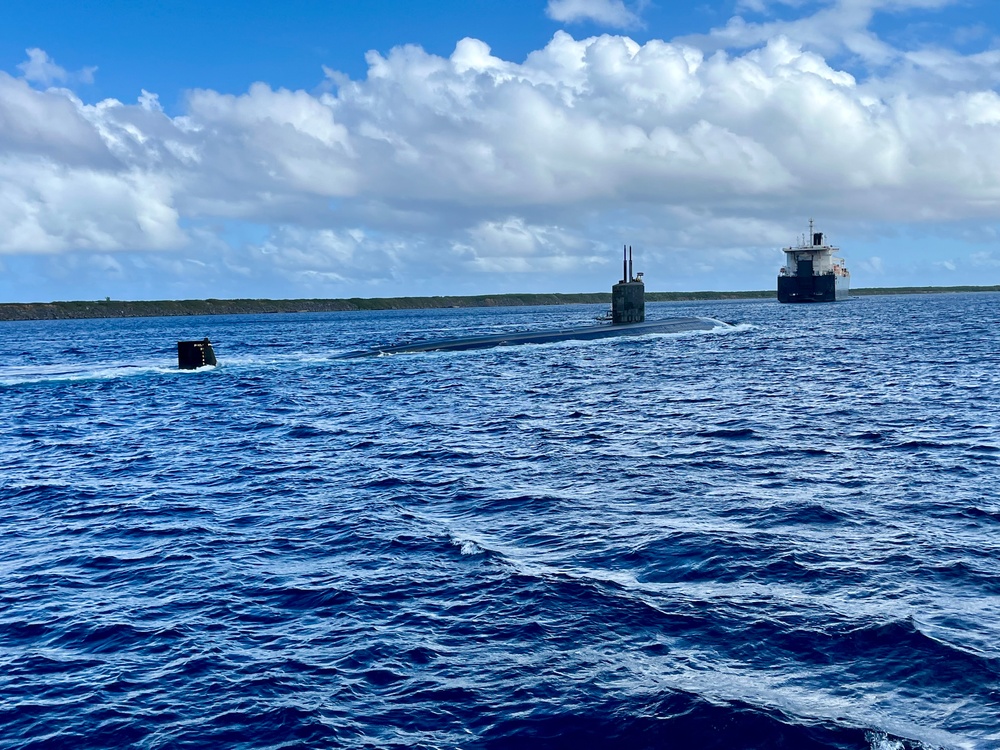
782,535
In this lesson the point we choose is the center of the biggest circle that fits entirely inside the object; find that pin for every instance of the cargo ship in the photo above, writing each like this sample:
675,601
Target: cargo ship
812,272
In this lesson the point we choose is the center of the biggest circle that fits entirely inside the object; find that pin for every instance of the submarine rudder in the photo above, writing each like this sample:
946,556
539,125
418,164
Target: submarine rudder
194,354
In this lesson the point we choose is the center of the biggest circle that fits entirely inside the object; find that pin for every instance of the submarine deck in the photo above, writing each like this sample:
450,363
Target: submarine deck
515,338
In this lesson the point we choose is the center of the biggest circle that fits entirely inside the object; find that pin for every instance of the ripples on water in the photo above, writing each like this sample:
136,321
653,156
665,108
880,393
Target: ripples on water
785,535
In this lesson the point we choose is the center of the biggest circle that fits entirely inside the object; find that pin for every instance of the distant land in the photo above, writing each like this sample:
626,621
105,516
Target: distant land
165,308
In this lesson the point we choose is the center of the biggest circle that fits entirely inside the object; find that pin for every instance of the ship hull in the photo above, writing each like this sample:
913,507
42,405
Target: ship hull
825,288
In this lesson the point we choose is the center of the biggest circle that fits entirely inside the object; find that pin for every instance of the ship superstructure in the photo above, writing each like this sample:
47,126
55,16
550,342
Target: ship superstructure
813,272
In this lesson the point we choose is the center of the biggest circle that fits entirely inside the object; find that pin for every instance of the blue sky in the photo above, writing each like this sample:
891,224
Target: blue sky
163,150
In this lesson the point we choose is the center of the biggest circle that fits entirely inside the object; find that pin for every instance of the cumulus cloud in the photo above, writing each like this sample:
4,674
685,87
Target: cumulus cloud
325,255
612,13
429,164
49,208
512,245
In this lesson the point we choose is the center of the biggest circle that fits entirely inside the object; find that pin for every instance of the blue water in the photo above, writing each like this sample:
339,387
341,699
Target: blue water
784,535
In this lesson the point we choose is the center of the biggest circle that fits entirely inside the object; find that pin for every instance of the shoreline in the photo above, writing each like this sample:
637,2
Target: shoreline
12,311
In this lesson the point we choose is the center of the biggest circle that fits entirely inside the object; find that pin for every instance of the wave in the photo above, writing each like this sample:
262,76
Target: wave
677,719
742,433
58,374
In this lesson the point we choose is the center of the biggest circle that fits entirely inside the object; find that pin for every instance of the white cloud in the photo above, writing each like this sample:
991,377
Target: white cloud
50,208
985,259
47,124
40,68
150,102
512,245
612,13
873,266
842,26
705,159
316,258
270,142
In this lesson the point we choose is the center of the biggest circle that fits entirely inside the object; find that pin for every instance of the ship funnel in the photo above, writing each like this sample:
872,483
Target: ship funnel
817,238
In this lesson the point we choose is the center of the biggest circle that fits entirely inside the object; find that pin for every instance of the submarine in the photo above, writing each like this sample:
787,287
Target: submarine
627,318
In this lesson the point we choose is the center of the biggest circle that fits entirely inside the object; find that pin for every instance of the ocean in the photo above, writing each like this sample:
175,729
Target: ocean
781,535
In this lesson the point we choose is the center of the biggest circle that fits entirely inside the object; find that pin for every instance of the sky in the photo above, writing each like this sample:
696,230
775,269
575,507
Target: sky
172,149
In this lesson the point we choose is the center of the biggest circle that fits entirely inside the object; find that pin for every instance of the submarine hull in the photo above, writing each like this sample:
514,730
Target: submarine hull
669,325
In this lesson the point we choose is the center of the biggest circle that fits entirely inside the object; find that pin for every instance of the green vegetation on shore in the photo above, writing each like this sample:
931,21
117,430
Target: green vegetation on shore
166,308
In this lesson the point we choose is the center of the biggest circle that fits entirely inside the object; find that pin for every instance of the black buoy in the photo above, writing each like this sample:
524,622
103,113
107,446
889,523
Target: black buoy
194,354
